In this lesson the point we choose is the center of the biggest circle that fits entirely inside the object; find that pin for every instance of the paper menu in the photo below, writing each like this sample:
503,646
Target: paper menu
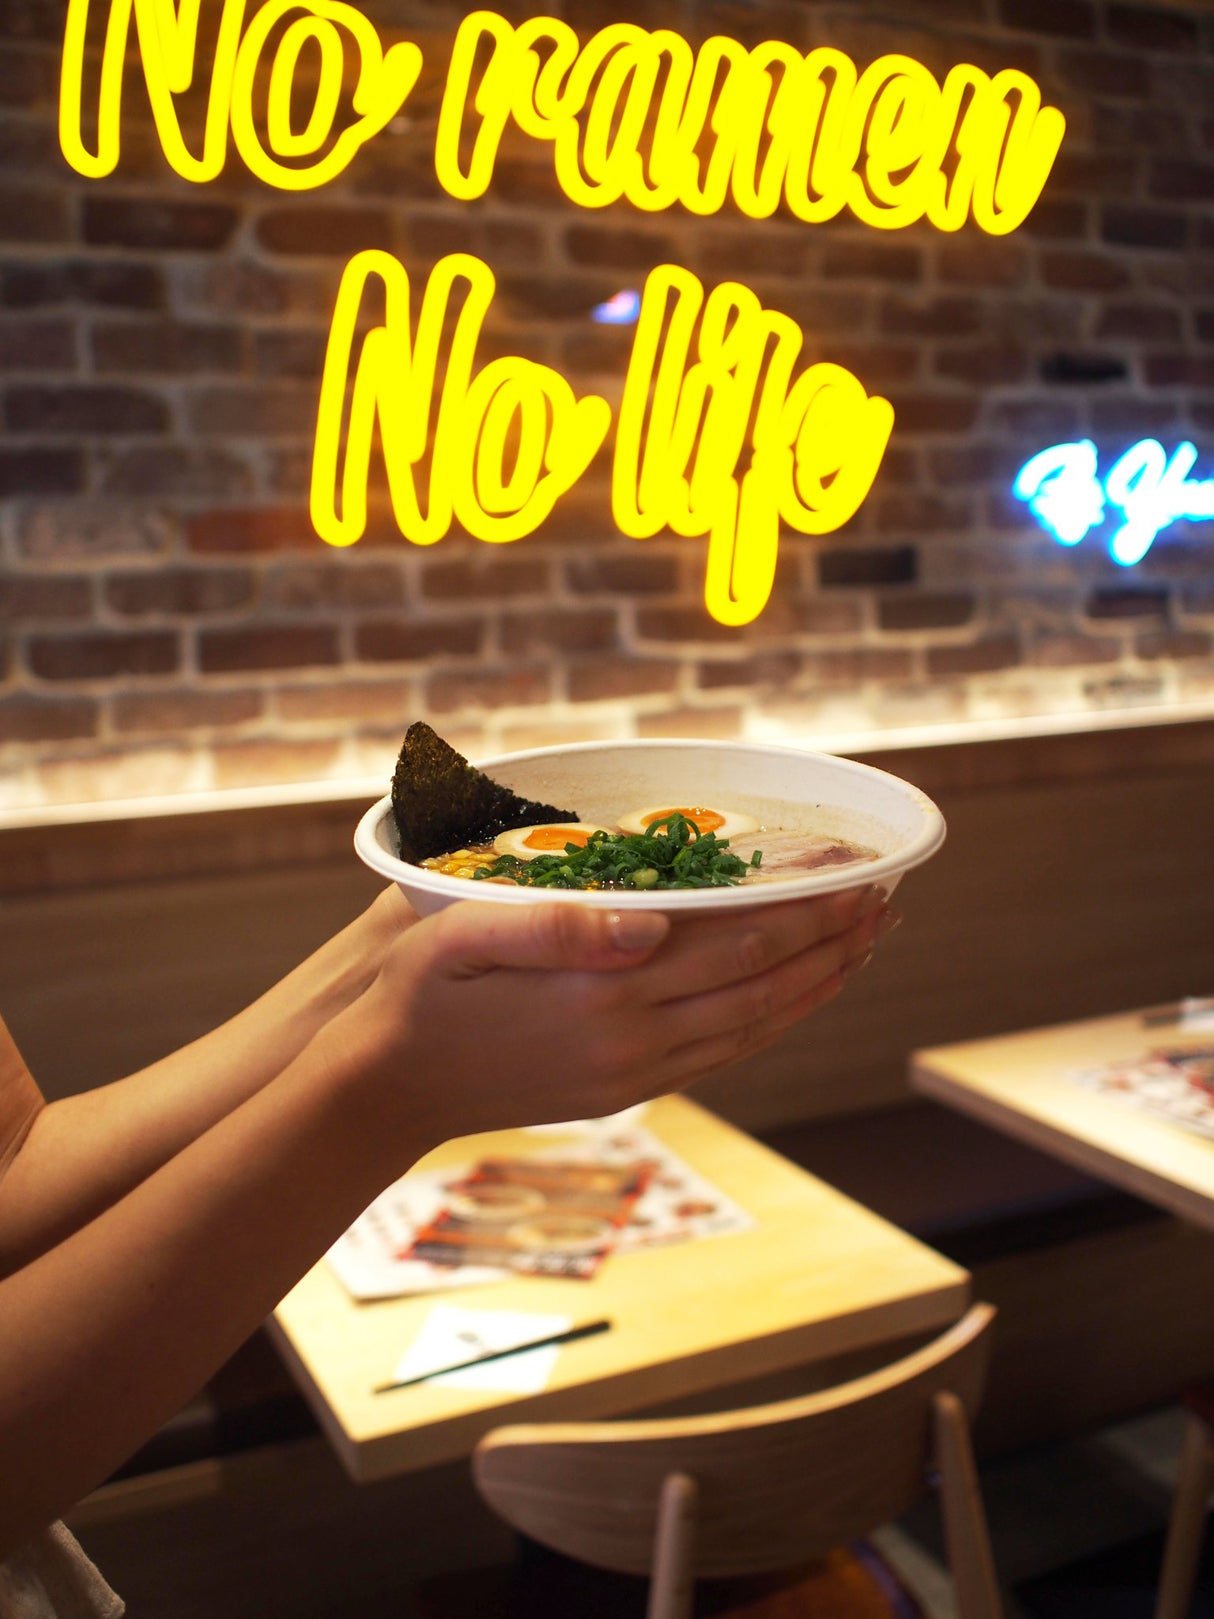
677,1205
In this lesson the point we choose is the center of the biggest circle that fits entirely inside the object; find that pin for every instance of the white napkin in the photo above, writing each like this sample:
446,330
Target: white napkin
450,1334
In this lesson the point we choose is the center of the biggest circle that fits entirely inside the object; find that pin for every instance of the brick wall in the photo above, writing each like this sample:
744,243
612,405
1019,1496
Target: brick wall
168,619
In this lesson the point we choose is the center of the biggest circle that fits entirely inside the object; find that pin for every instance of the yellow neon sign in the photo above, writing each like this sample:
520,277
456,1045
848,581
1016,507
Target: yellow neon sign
629,114
632,115
497,447
168,38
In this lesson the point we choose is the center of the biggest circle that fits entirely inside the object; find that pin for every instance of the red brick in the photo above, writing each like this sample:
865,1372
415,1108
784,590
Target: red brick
975,463
1165,228
866,566
155,224
1178,179
179,590
722,724
1128,601
1057,219
321,232
981,657
75,530
1174,644
559,630
987,262
400,640
1139,130
763,669
942,610
167,347
825,669
258,412
180,472
184,710
267,646
604,249
30,596
1150,322
100,655
336,584
875,363
1084,272
681,624
515,686
80,409
872,261
252,529
1143,416
1106,73
1092,174
988,364
33,216
601,349
922,514
1069,19
931,317
37,345
551,298
486,578
760,251
828,616
591,680
27,78
636,573
1049,420
266,763
1058,651
1178,368
364,701
933,413
103,283
244,289
1148,29
290,353
47,719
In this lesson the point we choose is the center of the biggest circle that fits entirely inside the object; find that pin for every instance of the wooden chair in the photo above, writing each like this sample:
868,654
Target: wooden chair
754,1490
1182,1551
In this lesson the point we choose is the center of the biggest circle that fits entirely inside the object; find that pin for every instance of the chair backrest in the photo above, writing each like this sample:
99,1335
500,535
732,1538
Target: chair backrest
774,1484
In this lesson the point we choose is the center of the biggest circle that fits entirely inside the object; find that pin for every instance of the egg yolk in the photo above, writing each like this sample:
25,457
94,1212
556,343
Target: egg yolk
555,838
706,820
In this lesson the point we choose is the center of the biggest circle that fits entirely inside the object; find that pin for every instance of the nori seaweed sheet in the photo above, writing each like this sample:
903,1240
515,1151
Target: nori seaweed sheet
440,802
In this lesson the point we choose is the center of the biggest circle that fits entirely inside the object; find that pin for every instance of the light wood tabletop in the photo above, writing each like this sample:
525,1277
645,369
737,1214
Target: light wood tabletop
1021,1084
815,1276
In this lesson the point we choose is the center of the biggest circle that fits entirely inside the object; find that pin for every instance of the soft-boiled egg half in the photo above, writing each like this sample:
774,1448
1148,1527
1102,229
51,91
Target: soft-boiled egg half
725,823
525,842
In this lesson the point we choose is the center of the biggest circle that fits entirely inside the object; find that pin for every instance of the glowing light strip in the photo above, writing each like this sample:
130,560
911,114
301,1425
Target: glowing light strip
494,449
632,114
1150,489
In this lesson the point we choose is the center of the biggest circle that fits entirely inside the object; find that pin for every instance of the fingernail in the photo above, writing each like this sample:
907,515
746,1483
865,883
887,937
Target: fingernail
850,967
888,921
636,930
866,901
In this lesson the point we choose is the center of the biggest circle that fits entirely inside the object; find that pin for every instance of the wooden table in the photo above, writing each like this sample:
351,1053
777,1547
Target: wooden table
817,1275
1018,1083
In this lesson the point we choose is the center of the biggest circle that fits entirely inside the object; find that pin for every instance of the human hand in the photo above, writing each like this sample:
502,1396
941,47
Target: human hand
486,1016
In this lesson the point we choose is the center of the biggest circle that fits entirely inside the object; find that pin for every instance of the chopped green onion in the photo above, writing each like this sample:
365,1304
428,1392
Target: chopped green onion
671,853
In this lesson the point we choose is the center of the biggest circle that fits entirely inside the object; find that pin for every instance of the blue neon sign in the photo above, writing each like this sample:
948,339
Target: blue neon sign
1147,487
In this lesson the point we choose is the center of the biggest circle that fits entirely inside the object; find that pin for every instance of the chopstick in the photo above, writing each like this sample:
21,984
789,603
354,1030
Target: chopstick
567,1337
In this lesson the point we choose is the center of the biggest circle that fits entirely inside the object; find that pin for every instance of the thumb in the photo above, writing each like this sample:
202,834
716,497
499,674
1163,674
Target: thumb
476,937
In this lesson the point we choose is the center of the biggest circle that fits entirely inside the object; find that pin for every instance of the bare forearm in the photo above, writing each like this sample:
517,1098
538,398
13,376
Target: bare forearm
85,1152
104,1336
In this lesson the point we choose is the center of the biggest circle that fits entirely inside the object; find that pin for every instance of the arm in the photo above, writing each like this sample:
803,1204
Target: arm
105,1334
83,1153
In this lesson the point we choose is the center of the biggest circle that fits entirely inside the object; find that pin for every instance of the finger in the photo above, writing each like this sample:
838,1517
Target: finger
705,955
476,937
752,1003
700,1057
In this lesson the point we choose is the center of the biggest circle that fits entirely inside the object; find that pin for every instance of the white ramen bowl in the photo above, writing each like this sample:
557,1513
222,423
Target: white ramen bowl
783,787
